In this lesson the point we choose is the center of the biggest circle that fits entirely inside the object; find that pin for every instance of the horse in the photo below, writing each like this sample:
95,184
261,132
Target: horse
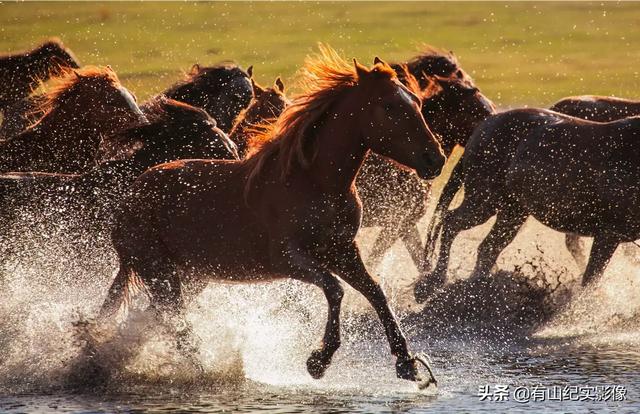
507,164
222,90
597,108
22,72
85,202
293,201
395,199
429,62
266,104
594,108
83,107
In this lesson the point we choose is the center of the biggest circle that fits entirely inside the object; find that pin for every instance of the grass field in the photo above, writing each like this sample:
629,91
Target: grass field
519,53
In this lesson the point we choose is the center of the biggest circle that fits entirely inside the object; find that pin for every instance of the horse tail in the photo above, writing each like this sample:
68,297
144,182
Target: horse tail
448,193
126,285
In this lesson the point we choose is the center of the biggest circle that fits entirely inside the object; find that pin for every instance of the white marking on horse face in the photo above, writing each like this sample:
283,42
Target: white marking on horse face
130,101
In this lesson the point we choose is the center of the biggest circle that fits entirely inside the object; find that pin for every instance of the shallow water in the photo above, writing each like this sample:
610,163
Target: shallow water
254,341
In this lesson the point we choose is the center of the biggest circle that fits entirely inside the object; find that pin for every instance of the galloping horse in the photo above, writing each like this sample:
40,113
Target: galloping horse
508,163
222,90
266,104
83,107
289,210
86,201
589,107
396,199
20,73
593,108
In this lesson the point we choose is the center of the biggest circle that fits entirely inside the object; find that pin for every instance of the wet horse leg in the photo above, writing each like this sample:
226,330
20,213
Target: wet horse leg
304,268
346,262
604,246
469,214
411,239
575,245
507,225
385,239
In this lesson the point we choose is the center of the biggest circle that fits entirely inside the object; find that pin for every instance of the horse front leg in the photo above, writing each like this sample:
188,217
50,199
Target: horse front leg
347,263
604,246
300,266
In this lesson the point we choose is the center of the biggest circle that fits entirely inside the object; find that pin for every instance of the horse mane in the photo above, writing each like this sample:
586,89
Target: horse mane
322,80
52,41
63,86
196,72
429,52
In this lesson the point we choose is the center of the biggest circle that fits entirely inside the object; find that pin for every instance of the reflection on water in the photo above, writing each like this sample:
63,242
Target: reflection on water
538,362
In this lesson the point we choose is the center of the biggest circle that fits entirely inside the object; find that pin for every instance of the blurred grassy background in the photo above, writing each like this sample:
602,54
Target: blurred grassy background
519,53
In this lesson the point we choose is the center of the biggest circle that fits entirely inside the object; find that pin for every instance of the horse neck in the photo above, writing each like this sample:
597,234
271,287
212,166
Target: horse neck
65,123
239,133
340,152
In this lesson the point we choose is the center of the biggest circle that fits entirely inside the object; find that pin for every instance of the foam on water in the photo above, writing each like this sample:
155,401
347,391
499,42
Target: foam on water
264,333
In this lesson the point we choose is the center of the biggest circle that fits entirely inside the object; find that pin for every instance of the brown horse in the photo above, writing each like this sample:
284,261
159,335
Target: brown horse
507,165
85,202
597,108
432,61
395,199
20,73
222,90
267,104
293,201
594,108
83,107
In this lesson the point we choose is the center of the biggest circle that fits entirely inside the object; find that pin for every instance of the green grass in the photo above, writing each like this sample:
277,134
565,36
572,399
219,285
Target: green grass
519,53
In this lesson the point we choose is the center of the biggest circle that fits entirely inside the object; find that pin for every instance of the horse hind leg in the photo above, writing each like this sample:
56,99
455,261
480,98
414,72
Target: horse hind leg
601,252
576,246
508,224
469,214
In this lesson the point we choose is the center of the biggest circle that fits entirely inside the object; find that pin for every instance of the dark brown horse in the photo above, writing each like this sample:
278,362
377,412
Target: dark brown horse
20,73
594,108
293,201
222,90
597,108
267,104
85,202
395,199
431,61
83,107
573,175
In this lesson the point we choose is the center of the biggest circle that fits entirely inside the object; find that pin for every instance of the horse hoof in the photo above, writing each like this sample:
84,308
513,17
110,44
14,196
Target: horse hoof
407,369
317,364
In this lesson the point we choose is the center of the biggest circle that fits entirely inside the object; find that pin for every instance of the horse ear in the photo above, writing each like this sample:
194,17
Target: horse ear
361,71
377,60
78,75
195,69
459,73
257,89
279,84
250,71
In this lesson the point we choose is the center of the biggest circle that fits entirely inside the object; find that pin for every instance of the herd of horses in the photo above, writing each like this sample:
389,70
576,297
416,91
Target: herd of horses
219,178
